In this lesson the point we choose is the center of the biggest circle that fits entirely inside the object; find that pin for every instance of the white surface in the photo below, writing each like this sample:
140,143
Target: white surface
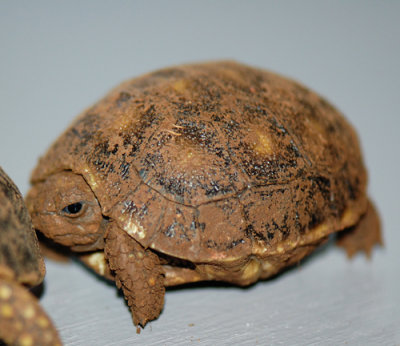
58,58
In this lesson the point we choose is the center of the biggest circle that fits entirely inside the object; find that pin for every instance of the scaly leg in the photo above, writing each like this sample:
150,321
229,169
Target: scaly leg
173,275
364,235
139,273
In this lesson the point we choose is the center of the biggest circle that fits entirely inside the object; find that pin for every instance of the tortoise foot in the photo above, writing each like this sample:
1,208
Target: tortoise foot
364,236
138,272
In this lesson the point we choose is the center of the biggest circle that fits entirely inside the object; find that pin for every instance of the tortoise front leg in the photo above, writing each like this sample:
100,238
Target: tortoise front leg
139,273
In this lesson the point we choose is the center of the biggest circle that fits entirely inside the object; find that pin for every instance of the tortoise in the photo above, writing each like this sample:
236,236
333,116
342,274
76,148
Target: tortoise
209,171
22,320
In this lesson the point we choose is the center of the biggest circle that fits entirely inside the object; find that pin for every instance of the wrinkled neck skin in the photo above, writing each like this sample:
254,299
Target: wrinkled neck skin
99,243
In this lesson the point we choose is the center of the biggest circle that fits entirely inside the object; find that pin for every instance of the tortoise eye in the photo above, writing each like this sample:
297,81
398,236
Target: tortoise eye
73,209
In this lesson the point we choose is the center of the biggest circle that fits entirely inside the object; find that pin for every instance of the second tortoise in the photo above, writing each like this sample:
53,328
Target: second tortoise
22,320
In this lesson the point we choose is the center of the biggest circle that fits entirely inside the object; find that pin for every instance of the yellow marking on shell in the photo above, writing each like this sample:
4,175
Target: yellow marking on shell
90,177
264,144
25,340
259,248
123,123
98,261
245,273
223,258
172,277
180,85
348,218
135,228
321,230
251,270
43,322
280,249
266,266
28,312
6,310
5,292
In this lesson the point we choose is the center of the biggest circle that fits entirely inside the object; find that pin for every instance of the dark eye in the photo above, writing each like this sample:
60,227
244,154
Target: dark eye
73,209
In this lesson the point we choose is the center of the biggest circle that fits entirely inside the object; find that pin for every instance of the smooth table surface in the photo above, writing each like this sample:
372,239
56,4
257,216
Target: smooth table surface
327,300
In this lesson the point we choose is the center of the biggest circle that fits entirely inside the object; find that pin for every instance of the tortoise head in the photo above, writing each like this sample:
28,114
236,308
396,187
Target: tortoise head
64,208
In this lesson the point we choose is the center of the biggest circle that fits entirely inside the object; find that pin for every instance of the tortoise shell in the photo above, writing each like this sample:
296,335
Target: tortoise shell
217,161
20,257
22,319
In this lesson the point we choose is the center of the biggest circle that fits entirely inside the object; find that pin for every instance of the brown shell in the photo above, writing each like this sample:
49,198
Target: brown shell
216,161
20,256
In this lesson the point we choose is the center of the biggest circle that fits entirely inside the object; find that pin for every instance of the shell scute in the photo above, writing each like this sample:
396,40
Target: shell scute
284,213
261,146
19,249
140,213
179,229
187,161
223,235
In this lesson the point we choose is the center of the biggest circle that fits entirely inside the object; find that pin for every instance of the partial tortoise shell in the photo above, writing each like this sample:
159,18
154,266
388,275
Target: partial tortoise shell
22,320
20,257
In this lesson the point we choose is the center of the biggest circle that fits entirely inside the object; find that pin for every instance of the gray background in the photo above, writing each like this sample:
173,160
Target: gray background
57,58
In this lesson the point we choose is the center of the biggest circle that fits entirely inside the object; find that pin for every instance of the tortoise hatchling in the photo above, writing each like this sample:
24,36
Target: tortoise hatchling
214,171
22,320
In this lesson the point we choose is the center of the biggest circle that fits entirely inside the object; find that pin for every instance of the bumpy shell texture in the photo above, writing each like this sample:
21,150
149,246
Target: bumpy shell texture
216,161
19,250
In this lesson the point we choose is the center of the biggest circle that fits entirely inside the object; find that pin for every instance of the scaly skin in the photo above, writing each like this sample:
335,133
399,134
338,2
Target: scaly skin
22,321
138,272
364,236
